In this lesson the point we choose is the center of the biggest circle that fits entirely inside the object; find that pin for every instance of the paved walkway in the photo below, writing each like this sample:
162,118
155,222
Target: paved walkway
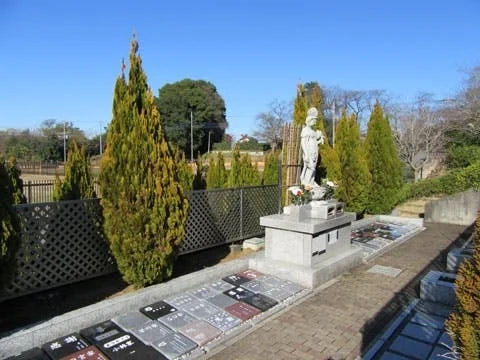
341,320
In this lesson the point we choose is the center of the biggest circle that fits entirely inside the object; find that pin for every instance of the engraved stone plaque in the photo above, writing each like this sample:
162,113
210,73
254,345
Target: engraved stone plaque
32,354
179,301
174,345
223,320
89,353
101,332
200,332
278,293
204,292
235,279
250,274
64,346
222,301
152,331
158,309
201,309
177,320
239,293
131,320
242,310
257,286
221,286
261,302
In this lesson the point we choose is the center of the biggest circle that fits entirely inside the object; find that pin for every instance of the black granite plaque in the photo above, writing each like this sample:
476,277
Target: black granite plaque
235,279
175,345
64,346
89,353
157,310
261,302
239,293
32,354
101,332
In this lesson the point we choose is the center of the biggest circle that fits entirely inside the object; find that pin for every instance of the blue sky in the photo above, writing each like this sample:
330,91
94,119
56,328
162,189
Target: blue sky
59,59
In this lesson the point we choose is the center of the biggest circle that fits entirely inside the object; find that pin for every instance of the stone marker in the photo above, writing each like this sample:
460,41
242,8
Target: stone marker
250,274
64,346
201,309
157,310
177,320
174,346
131,320
243,311
261,302
151,332
200,332
179,301
279,294
235,279
257,286
221,286
204,292
224,321
222,301
239,293
32,354
89,353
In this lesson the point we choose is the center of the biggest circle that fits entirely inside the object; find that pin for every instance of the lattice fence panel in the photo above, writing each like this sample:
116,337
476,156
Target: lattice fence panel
257,202
62,242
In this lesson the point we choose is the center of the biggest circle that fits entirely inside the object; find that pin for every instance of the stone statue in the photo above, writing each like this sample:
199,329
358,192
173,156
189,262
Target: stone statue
310,140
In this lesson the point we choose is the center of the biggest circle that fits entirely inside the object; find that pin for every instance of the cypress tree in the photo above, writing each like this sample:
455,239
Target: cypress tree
234,176
383,163
9,225
199,179
144,207
270,169
78,182
354,184
17,183
463,325
249,172
185,172
216,173
300,106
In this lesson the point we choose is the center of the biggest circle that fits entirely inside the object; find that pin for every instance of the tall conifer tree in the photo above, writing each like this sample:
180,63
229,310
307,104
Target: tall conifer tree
270,168
383,163
300,106
216,173
144,207
354,184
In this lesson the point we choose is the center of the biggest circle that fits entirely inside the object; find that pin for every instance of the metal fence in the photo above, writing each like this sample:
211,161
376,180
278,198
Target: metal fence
63,242
39,191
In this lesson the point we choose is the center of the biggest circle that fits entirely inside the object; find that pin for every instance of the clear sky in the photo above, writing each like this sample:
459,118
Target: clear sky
60,58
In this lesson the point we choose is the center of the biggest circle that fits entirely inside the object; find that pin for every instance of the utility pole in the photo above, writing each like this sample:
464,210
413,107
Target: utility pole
333,123
209,133
64,143
101,149
191,135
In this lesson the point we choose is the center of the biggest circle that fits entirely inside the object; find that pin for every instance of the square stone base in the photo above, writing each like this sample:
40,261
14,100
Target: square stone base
310,277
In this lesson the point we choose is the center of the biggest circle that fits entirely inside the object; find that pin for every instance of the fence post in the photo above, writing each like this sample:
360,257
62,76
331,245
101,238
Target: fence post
29,182
241,212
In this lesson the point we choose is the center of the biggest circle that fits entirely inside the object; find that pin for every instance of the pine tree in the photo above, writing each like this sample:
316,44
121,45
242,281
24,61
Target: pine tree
354,184
9,225
216,173
383,163
463,325
78,182
17,183
300,106
270,168
144,207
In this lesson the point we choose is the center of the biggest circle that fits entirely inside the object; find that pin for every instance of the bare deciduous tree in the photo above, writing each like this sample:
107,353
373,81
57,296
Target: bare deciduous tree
270,124
418,131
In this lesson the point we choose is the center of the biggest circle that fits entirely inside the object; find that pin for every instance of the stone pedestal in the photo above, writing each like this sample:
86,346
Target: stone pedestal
310,251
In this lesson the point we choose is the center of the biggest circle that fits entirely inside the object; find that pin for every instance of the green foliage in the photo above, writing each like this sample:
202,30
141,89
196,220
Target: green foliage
78,182
222,146
144,207
185,172
216,173
199,99
271,168
300,106
463,325
330,162
253,146
199,179
354,182
462,155
243,172
9,225
17,183
383,163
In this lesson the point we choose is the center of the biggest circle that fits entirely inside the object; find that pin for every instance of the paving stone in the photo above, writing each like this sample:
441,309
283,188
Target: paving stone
177,320
179,301
200,331
220,286
261,302
384,270
235,279
410,347
174,346
65,345
420,332
157,310
89,353
242,311
251,274
201,309
204,292
152,331
222,301
131,320
428,320
239,293
223,320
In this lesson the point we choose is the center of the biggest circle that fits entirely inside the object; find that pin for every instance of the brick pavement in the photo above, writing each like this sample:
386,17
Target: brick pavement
341,320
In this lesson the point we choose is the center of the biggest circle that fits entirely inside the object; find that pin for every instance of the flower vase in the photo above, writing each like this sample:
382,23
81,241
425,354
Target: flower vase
296,212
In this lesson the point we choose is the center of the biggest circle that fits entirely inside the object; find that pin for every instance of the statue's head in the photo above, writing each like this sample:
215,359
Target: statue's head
312,115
